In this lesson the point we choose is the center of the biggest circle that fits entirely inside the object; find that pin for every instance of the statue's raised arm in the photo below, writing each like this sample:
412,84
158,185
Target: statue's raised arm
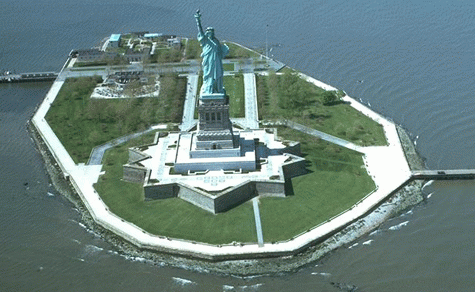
198,22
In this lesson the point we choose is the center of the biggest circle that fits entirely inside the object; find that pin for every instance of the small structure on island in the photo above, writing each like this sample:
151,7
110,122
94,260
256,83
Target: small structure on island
114,40
215,167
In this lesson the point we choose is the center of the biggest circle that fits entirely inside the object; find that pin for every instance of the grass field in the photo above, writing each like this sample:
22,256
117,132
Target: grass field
82,123
192,49
288,97
238,52
235,89
170,217
336,180
228,67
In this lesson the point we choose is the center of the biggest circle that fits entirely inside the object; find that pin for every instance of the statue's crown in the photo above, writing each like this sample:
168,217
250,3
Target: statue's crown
210,29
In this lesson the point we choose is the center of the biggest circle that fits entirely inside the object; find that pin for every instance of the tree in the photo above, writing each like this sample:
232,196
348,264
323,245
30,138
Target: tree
294,91
330,97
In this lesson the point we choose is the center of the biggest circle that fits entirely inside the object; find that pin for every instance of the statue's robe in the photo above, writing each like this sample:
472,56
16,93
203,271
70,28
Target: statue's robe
213,54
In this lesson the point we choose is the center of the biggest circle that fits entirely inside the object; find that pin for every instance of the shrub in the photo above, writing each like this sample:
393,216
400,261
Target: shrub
330,97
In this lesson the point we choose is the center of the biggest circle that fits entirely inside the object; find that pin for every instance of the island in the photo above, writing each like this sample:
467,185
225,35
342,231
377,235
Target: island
226,160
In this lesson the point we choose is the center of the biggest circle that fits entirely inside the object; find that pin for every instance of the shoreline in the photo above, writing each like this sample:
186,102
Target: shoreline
408,195
395,191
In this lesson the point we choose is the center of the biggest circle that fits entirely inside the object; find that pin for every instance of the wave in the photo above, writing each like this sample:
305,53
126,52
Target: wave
398,226
182,281
368,242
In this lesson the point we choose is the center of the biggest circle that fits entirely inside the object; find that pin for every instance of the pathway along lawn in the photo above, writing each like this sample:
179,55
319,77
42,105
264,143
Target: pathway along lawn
336,180
289,97
81,123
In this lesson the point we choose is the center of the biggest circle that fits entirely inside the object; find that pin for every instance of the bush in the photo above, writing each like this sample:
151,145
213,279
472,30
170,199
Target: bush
294,91
330,97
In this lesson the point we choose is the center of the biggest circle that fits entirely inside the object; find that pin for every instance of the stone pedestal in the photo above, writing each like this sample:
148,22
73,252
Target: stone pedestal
214,127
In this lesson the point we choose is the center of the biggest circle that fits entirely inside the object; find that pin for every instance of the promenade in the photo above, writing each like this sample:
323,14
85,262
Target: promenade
386,164
188,120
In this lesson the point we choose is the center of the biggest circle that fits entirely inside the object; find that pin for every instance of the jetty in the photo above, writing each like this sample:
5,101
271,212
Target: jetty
454,174
9,77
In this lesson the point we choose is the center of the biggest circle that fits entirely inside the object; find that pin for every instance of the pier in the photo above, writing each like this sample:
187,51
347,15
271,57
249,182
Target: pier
8,77
444,174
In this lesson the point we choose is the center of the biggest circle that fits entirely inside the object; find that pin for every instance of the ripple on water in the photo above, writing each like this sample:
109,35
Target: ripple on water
182,281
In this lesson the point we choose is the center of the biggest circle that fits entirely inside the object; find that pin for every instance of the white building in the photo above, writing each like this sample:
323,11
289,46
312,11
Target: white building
114,40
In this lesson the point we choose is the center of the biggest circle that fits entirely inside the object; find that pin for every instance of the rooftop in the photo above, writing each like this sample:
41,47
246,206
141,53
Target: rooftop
114,38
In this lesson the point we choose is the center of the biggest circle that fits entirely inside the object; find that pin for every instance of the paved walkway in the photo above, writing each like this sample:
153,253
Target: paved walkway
98,152
188,120
257,218
250,103
324,136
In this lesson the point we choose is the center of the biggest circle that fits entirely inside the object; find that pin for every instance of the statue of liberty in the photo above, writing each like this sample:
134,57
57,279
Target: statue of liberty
213,54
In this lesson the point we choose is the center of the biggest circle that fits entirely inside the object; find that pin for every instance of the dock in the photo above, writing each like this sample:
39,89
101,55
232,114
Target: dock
8,77
454,174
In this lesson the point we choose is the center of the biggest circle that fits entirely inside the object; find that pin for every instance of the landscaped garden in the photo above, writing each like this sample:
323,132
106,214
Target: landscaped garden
287,96
81,123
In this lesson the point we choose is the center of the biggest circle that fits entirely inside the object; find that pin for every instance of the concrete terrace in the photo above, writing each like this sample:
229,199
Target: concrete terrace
386,164
161,155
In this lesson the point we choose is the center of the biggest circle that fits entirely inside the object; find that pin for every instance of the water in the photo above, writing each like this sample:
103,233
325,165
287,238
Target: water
415,59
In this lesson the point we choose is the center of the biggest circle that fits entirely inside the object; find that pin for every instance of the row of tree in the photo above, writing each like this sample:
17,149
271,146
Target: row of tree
82,123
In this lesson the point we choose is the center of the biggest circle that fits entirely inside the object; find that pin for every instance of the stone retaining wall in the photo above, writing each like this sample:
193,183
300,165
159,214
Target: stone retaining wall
162,191
219,202
295,167
136,155
270,188
235,196
197,197
133,173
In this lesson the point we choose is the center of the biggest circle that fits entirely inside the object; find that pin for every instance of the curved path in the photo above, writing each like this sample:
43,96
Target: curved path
98,152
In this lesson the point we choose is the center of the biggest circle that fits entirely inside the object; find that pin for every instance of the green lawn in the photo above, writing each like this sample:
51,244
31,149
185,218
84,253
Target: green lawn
235,89
170,217
192,49
167,55
238,52
336,181
228,67
82,123
289,97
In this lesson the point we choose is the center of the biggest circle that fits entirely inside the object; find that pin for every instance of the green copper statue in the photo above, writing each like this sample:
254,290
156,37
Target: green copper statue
213,54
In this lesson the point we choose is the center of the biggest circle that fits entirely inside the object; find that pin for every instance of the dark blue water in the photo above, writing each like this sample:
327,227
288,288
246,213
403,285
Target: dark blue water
416,60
